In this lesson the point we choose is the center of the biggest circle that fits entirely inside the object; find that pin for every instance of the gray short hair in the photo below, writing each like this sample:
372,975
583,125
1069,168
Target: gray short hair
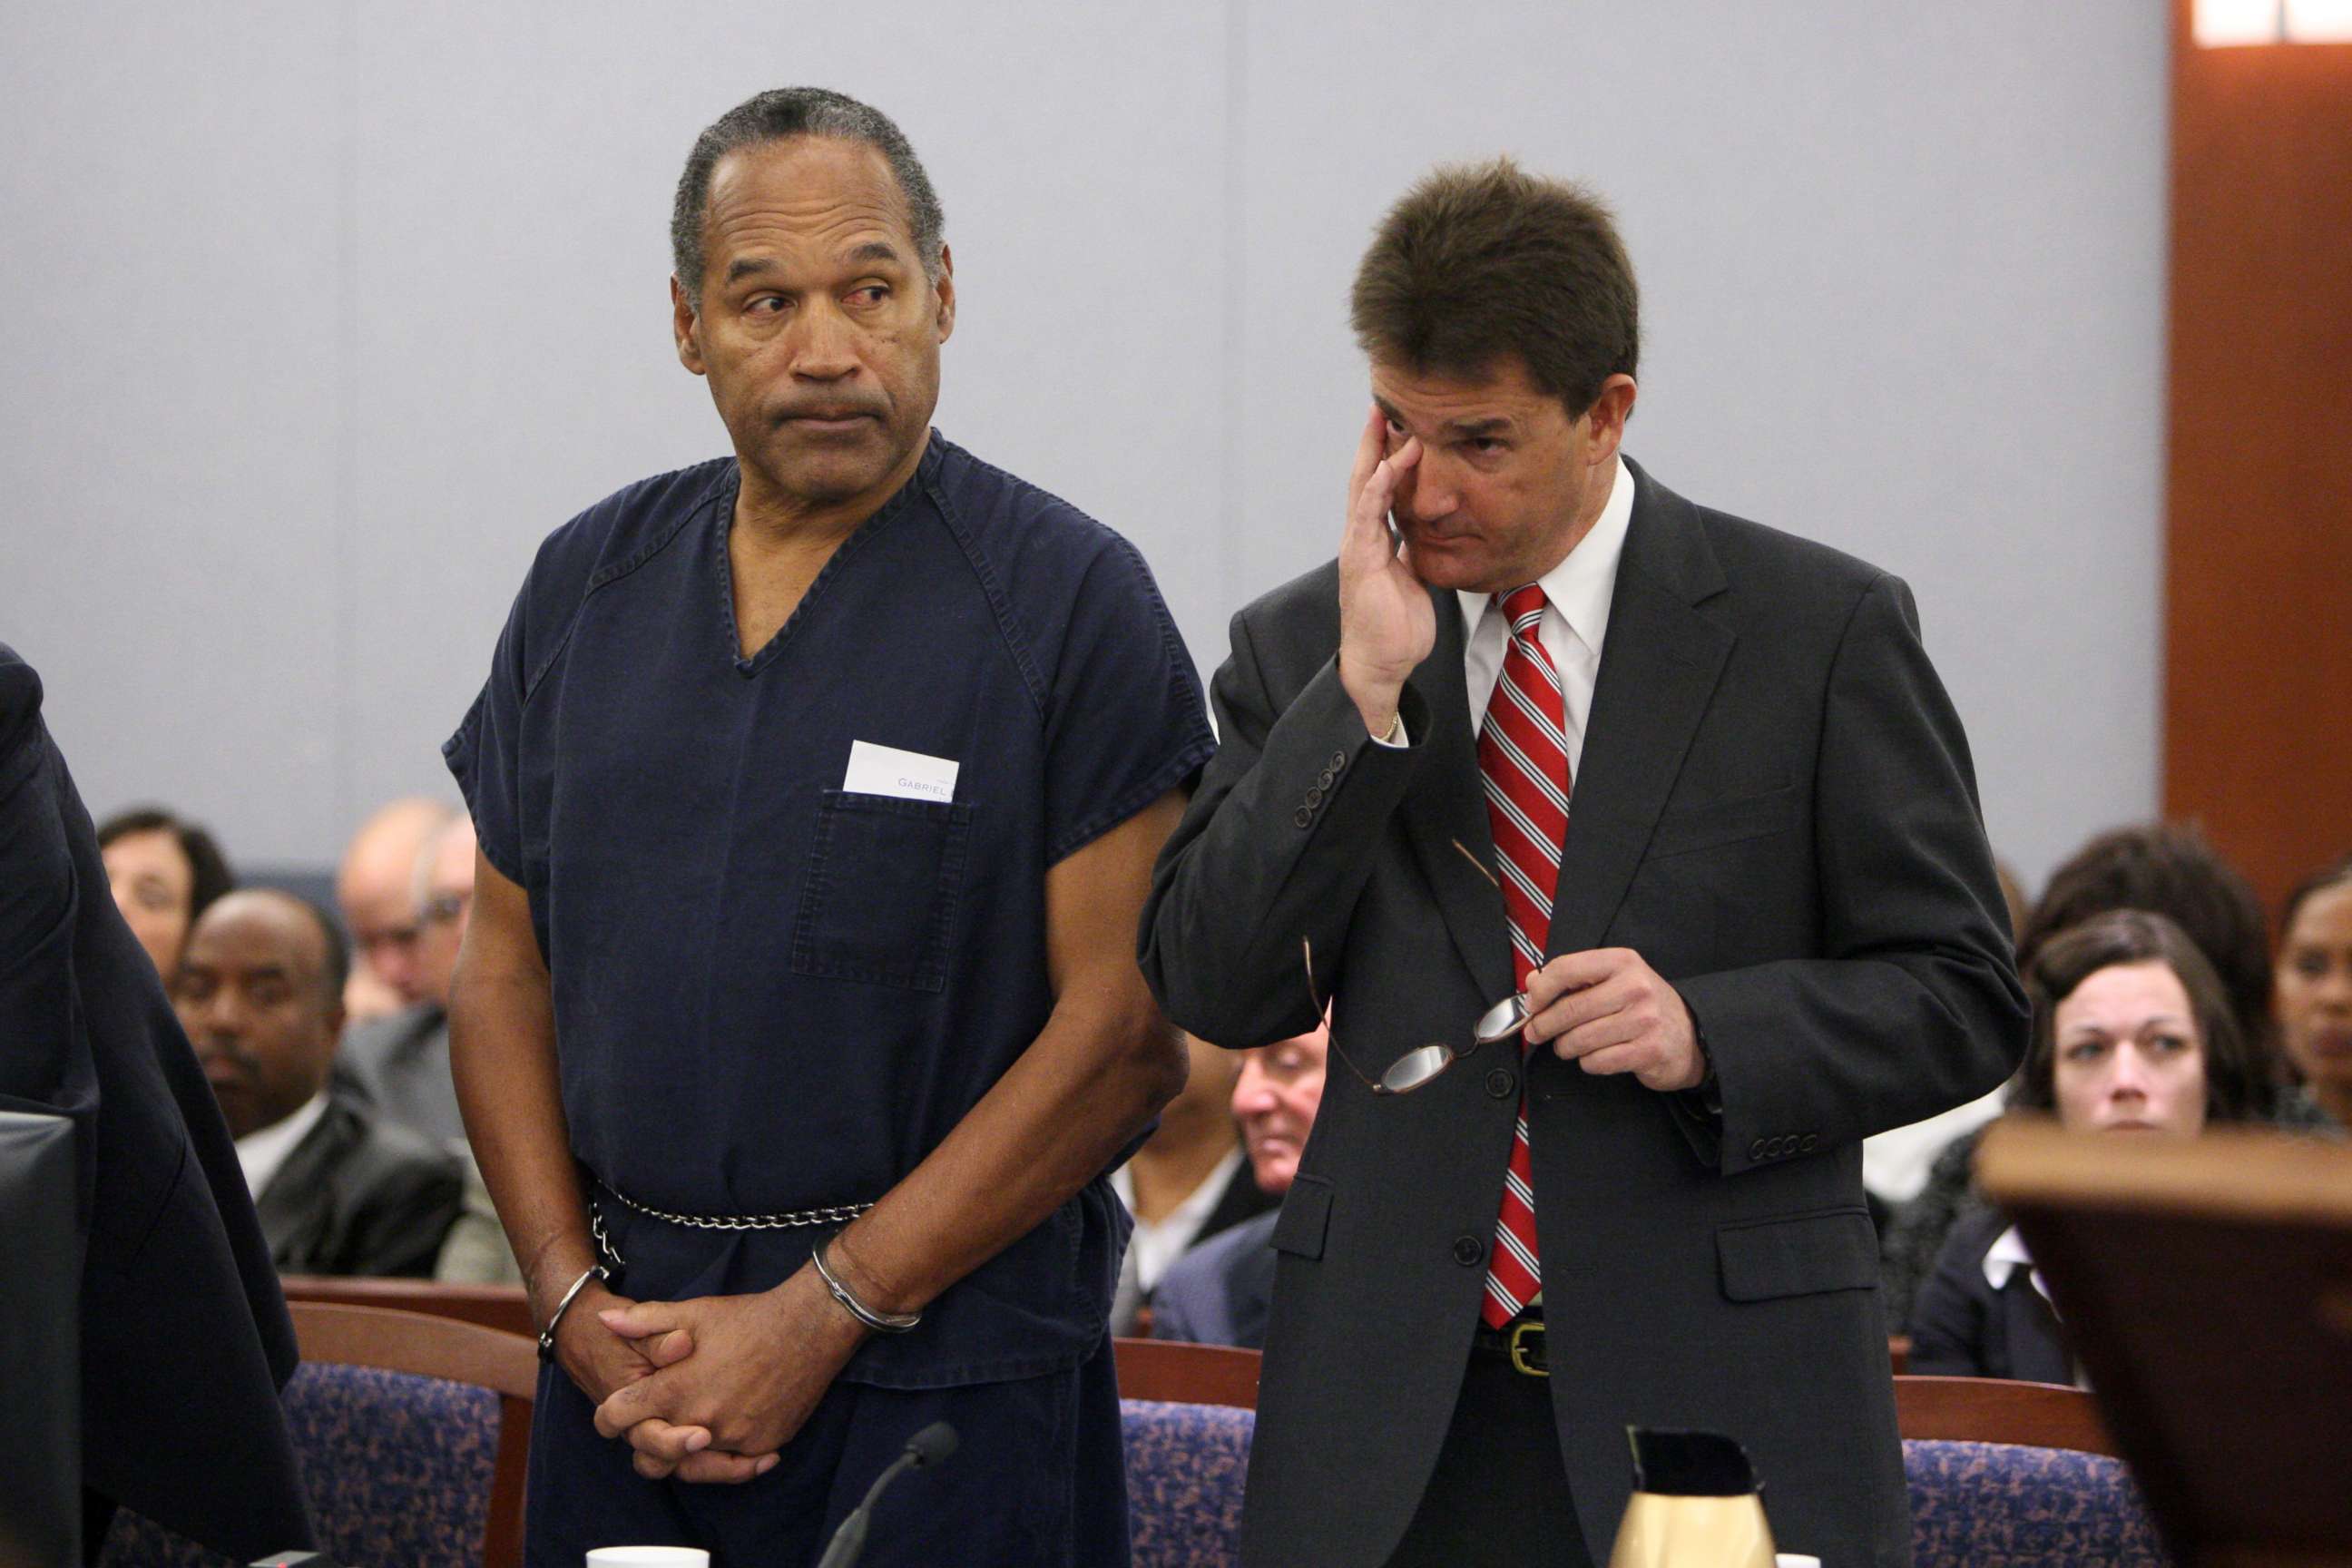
778,115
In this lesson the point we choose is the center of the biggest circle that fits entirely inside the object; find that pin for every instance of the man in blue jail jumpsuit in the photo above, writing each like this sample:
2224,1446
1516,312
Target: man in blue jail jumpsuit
818,789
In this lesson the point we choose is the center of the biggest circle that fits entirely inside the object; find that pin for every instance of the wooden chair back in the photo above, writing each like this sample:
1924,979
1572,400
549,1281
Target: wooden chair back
1186,1373
492,1306
1998,1410
428,1345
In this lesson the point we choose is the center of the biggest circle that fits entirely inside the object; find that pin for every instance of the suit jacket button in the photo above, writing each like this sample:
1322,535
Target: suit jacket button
1314,797
1302,817
1323,779
1805,1144
1500,1083
1339,760
1469,1251
1756,1149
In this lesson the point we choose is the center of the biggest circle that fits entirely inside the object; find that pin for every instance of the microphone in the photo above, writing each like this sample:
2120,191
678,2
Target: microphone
928,1447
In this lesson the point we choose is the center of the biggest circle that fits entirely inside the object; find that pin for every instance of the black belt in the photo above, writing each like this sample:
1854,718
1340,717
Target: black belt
1519,1342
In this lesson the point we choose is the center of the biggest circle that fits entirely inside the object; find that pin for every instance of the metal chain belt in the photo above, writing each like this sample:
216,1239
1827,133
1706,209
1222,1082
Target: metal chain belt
795,1219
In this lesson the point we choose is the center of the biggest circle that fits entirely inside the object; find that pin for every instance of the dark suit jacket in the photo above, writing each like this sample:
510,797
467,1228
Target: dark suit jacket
1220,1291
1775,807
184,1337
1962,1327
359,1196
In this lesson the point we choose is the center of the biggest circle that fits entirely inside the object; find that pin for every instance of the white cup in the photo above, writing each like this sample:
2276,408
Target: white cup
649,1557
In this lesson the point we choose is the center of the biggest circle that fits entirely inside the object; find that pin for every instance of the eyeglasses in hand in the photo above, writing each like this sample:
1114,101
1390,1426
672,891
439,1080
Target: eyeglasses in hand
1420,1066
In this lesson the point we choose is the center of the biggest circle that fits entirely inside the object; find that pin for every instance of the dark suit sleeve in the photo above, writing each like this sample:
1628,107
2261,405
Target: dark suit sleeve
1171,1314
44,1059
1913,1005
1263,858
1949,1319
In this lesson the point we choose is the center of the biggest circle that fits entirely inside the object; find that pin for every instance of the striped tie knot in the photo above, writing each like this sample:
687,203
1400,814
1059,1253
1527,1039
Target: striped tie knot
1523,607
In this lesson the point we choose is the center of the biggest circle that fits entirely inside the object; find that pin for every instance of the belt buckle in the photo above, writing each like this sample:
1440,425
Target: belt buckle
1528,1359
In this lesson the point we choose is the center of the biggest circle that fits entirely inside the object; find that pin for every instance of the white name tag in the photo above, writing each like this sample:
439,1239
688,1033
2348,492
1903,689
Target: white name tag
906,775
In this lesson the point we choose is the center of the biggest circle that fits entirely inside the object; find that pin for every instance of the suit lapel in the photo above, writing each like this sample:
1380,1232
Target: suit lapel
2036,1352
1449,808
1658,670
295,1203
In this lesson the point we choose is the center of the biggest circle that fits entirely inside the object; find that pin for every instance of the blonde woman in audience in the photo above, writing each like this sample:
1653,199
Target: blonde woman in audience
2313,981
2133,1034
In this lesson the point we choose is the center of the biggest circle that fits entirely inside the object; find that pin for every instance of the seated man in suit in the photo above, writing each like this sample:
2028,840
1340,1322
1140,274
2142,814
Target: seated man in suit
1219,1293
1188,1184
260,991
375,888
402,1059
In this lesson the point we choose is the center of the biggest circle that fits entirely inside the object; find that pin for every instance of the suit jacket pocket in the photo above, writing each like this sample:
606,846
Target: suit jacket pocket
1305,1214
1798,1254
1722,822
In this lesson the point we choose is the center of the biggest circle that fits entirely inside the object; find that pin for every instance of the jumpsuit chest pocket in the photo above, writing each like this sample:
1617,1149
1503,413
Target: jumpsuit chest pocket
879,905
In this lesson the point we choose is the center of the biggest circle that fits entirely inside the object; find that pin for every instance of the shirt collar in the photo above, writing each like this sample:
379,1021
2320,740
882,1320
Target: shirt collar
2007,1252
1584,583
262,1153
2006,1256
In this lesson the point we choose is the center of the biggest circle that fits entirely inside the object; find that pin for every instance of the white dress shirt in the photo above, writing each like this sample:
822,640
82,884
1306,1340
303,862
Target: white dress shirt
1577,594
260,1154
1158,1243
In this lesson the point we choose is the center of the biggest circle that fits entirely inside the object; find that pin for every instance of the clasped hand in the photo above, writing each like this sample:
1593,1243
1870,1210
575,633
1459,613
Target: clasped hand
1608,1011
709,1389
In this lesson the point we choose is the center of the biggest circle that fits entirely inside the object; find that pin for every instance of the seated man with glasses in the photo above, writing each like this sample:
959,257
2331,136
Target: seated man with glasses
401,1061
375,892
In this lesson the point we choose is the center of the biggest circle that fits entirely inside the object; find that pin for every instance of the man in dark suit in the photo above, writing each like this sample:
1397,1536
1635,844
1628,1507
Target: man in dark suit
184,1337
338,1189
1771,927
1221,1292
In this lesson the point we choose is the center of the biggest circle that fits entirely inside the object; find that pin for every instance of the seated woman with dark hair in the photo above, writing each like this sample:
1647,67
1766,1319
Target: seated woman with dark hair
2314,993
2133,1033
165,873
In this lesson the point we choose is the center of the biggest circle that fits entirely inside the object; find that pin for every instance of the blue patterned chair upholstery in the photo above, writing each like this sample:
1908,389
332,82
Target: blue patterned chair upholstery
1974,1504
398,1420
1185,1465
398,1469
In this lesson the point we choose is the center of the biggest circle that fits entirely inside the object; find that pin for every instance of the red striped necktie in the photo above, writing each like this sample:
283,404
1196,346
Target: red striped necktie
1523,753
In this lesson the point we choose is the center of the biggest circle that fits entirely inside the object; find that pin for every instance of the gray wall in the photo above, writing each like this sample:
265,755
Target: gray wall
321,315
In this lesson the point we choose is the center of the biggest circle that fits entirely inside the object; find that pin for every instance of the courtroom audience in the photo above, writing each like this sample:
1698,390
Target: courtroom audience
1186,1184
2314,989
375,886
2170,870
259,991
2133,1033
1221,1292
163,873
